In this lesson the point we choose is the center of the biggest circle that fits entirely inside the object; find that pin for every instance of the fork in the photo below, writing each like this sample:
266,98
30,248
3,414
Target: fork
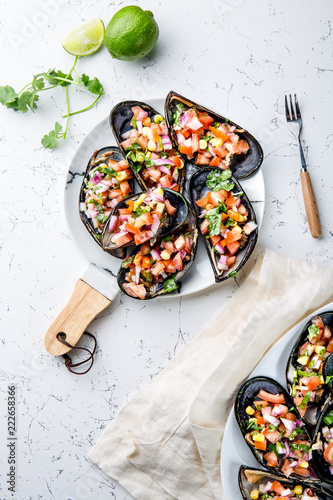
294,122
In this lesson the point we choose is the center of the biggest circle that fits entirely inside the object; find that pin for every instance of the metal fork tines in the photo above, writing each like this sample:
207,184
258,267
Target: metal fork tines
294,122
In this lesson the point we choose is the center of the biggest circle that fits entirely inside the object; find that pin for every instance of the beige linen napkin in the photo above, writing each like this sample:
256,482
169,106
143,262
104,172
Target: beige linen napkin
165,443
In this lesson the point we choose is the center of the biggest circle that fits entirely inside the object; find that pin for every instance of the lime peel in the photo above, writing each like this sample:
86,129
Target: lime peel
86,39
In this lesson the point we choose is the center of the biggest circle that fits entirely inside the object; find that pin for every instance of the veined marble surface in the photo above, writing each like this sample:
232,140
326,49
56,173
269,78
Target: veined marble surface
239,57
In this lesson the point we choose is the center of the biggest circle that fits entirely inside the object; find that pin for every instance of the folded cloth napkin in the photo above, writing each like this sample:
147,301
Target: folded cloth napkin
165,443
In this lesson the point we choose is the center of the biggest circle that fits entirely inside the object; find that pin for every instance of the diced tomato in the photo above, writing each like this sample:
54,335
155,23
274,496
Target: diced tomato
328,454
180,243
215,239
155,174
125,188
115,193
141,238
243,146
131,229
291,416
261,421
144,220
273,436
233,236
195,143
283,409
169,208
157,268
277,487
235,216
267,411
301,471
219,134
137,259
201,160
313,382
231,261
231,202
171,268
262,404
271,398
203,202
204,226
188,245
177,262
137,291
260,446
169,246
271,459
186,133
177,161
215,162
122,240
146,264
143,141
166,181
146,122
145,249
233,247
286,468
206,120
220,152
185,150
130,206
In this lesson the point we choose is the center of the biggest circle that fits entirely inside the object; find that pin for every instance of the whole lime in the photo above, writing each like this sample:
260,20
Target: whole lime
131,34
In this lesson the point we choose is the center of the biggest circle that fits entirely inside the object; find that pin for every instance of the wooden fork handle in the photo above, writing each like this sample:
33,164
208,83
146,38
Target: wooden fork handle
310,203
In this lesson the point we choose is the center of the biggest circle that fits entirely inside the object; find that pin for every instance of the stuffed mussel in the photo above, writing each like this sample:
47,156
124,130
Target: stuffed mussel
143,135
150,271
323,445
107,180
208,139
309,366
271,426
226,219
144,217
259,484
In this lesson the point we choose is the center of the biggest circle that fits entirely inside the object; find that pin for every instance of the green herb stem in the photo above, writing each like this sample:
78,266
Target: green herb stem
68,113
87,108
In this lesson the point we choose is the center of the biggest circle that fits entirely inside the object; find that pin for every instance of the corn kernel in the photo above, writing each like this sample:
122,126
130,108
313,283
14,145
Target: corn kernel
138,202
145,131
121,176
304,465
202,144
218,143
213,142
303,360
254,420
165,255
159,191
238,230
148,154
254,494
140,157
151,145
158,118
250,411
258,437
298,490
319,349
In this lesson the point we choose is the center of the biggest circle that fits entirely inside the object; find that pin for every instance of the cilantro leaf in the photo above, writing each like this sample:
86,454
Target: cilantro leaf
54,77
38,83
313,331
27,99
49,140
94,86
7,95
219,179
328,419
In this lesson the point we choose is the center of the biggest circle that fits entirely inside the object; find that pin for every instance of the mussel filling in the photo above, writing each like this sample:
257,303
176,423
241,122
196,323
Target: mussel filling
268,488
157,265
140,220
105,185
327,444
200,137
150,150
225,219
275,430
308,379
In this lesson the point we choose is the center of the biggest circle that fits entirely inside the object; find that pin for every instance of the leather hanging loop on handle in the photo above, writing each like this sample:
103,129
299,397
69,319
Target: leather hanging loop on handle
61,337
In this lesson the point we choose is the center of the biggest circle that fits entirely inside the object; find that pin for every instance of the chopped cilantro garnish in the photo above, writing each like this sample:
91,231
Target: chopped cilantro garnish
219,179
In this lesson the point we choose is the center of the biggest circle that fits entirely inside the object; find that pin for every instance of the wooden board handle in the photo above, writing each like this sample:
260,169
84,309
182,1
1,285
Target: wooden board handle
310,203
83,306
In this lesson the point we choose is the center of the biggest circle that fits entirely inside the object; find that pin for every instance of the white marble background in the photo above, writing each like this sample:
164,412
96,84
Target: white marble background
240,57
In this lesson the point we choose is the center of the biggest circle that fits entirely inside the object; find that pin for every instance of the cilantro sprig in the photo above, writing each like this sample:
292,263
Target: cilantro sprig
26,99
220,179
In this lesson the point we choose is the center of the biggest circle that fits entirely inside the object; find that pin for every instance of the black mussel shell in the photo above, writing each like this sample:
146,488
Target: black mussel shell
320,465
100,156
198,189
314,408
120,121
242,165
168,225
244,398
250,479
189,226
